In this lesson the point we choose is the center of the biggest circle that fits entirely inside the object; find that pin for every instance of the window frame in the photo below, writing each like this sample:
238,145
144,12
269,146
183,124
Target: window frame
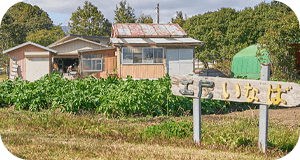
102,62
132,55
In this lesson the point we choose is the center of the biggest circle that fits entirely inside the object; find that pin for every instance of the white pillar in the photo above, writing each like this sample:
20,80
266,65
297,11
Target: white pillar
263,113
197,119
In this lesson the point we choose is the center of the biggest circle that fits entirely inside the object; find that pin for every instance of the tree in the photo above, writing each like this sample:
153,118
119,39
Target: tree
211,28
89,21
281,40
23,18
46,37
144,19
5,43
124,14
18,21
225,32
179,18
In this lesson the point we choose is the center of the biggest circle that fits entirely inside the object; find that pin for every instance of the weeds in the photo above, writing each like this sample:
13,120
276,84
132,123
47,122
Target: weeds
233,135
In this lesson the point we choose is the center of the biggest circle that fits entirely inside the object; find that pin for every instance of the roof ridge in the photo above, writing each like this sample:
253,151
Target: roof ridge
27,43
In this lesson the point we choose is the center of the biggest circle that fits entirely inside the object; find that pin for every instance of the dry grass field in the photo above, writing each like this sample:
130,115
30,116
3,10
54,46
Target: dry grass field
53,135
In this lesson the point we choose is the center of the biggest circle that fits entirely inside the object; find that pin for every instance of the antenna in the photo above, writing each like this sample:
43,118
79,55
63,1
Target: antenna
157,13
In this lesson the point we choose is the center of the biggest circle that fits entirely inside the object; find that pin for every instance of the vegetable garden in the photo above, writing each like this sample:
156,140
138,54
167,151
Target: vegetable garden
113,96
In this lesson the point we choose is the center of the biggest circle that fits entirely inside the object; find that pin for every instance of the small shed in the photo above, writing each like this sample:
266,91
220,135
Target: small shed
30,61
245,63
152,50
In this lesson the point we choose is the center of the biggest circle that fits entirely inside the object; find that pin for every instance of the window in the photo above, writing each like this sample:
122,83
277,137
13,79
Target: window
127,56
158,55
140,55
92,62
147,55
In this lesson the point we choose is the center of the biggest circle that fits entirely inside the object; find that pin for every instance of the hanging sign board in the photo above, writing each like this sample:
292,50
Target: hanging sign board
284,94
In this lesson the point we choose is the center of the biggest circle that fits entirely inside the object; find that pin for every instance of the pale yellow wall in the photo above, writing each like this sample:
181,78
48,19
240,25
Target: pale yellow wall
74,46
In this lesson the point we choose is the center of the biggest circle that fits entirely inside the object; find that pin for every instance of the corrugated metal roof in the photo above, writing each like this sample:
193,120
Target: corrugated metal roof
190,41
147,30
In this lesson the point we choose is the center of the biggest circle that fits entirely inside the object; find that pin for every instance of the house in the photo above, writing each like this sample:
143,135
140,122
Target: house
152,50
138,50
86,54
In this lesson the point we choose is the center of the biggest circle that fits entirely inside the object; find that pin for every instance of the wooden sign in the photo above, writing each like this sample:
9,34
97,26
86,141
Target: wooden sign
284,94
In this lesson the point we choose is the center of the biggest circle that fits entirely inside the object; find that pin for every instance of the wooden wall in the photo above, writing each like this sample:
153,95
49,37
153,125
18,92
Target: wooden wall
140,70
143,71
20,58
109,63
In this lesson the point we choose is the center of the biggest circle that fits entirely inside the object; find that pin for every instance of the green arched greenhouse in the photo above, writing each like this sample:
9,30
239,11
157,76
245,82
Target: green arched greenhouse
245,63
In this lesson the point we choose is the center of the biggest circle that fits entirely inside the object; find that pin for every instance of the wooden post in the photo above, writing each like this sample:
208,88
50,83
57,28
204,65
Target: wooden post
263,113
197,119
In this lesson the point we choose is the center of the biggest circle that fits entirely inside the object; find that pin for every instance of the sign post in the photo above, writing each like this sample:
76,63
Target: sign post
197,119
263,113
261,92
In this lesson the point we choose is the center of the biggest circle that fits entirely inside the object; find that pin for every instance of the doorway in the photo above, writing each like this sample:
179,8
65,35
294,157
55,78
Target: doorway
64,63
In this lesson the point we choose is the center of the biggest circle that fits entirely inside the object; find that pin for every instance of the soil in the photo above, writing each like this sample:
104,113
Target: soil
285,116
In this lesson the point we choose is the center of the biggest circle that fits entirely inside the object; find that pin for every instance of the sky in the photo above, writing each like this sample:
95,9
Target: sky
60,11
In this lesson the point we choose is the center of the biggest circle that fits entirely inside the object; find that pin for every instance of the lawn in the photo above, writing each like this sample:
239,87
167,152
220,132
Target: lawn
54,135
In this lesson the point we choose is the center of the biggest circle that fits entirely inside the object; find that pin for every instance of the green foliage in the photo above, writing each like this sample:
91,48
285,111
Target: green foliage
46,37
89,21
144,19
171,129
5,90
211,28
281,40
19,21
113,97
124,14
23,18
227,31
180,20
4,59
227,132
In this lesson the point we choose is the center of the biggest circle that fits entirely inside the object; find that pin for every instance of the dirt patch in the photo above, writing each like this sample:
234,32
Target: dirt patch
285,116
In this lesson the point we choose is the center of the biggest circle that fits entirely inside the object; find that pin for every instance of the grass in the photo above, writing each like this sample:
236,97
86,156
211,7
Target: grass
52,135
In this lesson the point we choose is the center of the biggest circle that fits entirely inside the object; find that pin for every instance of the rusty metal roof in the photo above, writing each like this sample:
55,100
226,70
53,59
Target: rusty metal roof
179,41
147,30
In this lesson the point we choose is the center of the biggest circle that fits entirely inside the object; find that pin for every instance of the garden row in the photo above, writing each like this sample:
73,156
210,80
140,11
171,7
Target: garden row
112,96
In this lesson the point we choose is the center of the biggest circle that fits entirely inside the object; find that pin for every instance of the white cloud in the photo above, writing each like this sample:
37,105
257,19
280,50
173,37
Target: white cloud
168,8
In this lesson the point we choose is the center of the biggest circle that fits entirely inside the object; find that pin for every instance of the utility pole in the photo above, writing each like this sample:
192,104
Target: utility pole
157,15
